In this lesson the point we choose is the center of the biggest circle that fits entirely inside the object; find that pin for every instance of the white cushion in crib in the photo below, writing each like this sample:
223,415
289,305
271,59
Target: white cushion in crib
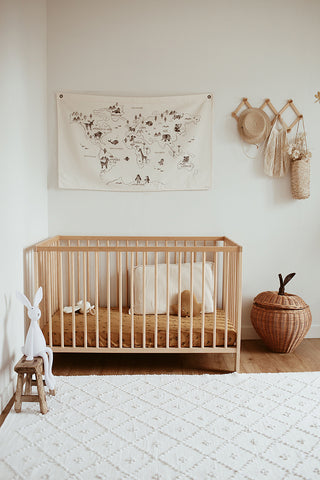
173,286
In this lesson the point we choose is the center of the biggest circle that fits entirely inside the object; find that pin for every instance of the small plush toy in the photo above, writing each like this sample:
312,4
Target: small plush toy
79,308
185,305
35,344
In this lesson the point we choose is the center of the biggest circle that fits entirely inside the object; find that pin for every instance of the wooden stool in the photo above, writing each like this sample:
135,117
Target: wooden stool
25,369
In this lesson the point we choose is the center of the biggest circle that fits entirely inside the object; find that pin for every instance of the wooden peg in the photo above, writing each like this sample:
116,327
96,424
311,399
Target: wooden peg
277,114
265,103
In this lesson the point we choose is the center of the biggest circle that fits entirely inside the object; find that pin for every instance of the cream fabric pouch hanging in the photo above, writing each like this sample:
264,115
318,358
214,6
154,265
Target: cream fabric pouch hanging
276,160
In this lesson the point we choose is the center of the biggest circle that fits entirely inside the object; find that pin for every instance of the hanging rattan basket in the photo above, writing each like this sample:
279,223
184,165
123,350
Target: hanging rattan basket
300,167
300,178
280,319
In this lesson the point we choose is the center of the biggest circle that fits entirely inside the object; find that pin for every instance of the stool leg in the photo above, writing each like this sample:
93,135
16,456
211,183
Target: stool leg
17,403
28,387
41,393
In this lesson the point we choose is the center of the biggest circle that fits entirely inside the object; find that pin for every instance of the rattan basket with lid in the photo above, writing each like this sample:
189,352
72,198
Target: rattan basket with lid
281,319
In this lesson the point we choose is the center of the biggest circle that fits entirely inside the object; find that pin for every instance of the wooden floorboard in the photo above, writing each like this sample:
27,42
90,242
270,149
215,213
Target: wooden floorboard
6,411
255,358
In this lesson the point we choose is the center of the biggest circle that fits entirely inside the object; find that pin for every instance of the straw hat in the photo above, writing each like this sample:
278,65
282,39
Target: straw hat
254,125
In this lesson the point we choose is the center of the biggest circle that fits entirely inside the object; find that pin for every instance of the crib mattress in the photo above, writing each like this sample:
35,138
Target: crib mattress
138,329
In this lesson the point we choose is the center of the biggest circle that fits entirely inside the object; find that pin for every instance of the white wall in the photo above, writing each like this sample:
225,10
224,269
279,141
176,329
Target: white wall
23,160
235,49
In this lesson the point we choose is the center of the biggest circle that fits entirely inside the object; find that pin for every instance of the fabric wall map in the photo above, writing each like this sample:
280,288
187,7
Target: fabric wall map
134,143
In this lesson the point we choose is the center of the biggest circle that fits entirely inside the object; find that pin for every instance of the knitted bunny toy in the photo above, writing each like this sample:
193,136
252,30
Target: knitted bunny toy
35,344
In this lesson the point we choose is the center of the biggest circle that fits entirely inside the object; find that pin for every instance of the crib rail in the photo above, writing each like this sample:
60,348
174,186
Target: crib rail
123,276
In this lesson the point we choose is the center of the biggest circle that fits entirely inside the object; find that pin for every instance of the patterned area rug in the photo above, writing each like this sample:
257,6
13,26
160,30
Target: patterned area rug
234,426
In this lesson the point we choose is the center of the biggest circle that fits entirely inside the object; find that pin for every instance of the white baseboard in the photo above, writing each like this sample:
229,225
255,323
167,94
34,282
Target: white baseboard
249,333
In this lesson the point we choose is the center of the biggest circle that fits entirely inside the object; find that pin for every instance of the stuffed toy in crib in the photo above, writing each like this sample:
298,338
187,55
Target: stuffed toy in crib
185,305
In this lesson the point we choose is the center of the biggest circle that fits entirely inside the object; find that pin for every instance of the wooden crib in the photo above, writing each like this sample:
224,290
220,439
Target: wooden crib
133,283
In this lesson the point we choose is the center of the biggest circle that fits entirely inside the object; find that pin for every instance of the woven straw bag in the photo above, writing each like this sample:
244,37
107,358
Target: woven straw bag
300,173
300,178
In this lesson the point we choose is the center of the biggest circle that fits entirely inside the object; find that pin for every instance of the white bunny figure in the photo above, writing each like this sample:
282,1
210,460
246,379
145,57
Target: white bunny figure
35,344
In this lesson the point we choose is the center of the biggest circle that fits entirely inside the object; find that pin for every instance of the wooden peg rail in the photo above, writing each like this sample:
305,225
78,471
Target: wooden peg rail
267,103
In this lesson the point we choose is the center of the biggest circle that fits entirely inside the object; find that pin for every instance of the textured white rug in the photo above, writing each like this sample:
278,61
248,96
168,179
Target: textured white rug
248,426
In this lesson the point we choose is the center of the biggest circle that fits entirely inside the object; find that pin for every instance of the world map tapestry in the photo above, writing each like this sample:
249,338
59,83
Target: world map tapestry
135,143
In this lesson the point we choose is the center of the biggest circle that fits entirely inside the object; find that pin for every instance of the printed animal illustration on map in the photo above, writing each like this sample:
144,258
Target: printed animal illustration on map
150,144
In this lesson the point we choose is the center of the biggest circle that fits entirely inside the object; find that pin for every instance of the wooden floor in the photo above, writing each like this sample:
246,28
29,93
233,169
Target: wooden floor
255,358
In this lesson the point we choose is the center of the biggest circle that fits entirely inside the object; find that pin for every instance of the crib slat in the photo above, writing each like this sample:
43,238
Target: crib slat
108,298
147,244
232,290
235,293
127,270
191,298
36,272
117,282
48,269
56,307
226,286
203,298
229,273
42,282
168,300
132,301
85,329
61,299
215,297
69,274
51,274
179,301
137,258
97,297
144,301
53,285
44,279
78,269
88,273
37,281
120,297
55,269
52,281
28,268
156,299
73,302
